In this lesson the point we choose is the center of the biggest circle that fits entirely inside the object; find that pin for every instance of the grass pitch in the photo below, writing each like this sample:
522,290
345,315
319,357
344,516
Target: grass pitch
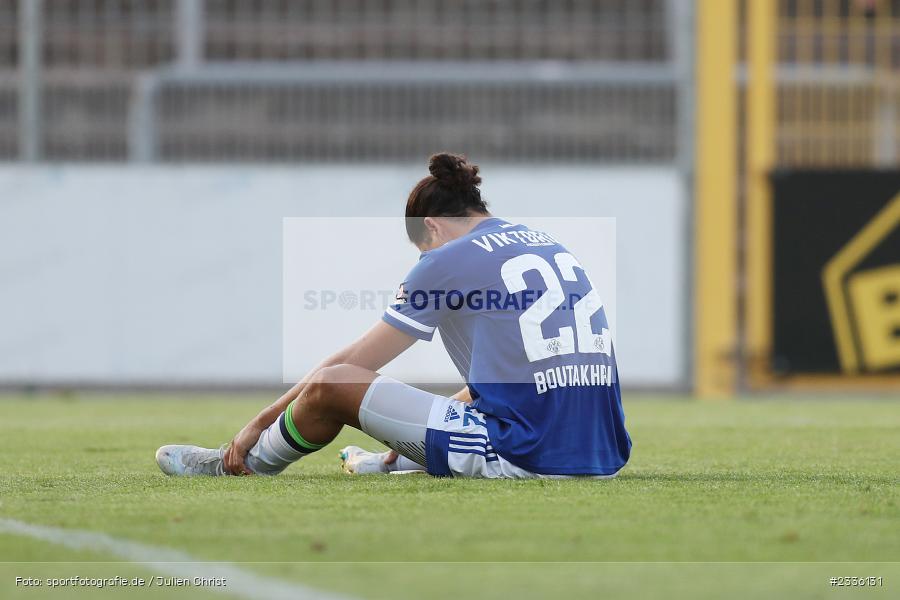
733,499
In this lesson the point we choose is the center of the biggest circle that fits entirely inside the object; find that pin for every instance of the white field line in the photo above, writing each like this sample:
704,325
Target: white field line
173,563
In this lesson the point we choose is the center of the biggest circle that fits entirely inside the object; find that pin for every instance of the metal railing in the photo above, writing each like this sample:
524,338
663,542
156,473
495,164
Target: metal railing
838,98
402,111
240,80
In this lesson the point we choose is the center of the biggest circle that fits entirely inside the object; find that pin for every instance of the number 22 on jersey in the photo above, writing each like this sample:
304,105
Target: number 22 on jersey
537,347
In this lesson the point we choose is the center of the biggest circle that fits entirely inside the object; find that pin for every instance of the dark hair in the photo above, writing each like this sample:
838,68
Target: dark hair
450,191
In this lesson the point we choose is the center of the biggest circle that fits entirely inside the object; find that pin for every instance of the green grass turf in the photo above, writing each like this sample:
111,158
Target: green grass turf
779,481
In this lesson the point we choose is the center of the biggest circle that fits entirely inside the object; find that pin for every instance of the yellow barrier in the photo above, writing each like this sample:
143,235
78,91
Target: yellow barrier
822,91
715,294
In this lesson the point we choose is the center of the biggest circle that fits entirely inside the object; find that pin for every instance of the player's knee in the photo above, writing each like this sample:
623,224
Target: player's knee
316,389
323,385
334,375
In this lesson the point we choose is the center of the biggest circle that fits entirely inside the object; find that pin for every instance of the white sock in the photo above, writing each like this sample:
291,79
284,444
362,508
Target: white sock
277,448
404,464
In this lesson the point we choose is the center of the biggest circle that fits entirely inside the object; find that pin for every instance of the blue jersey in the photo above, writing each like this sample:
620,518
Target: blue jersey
521,321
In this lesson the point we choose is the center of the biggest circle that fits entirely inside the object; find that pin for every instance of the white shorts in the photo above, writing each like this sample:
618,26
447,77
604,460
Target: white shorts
446,436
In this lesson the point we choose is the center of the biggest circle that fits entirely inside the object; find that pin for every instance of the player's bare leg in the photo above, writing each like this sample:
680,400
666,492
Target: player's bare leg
331,399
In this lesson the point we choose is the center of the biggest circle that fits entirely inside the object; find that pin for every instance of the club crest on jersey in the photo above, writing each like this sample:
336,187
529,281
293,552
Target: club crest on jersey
554,346
450,415
402,296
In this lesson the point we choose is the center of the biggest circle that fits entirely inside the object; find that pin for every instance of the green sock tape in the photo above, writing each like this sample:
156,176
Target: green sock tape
292,429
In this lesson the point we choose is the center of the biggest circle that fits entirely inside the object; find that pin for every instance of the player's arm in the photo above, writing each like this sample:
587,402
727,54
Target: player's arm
375,348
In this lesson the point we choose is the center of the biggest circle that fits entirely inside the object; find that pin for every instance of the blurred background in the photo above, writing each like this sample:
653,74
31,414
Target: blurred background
749,151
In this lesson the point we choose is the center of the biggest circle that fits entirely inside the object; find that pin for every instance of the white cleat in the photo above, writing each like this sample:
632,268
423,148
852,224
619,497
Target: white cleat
188,461
356,461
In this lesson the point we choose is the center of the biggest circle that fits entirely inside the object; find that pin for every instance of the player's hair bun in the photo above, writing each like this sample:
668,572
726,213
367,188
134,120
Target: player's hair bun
453,171
451,190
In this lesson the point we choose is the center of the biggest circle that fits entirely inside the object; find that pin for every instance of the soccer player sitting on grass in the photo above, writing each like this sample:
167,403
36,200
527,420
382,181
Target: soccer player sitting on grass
522,323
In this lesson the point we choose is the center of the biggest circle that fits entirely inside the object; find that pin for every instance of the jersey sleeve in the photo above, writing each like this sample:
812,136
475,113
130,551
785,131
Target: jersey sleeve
416,310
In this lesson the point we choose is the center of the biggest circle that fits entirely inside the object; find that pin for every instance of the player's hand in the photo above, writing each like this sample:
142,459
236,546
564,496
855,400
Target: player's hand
239,447
391,457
